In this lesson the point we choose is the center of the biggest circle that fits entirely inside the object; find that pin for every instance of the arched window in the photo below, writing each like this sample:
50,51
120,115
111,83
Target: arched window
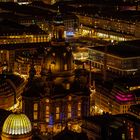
57,113
35,111
47,114
69,111
65,67
79,109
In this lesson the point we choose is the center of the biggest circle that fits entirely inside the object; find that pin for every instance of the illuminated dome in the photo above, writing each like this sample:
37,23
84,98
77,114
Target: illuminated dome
17,124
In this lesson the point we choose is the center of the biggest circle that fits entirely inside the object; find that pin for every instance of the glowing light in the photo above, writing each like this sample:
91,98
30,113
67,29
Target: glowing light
70,33
17,124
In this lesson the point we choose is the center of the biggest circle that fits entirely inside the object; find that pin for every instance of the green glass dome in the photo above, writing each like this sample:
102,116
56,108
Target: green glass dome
17,124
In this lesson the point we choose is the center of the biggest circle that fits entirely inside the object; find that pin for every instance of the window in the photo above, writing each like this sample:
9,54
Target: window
69,98
65,67
35,111
47,115
79,109
35,115
123,136
67,86
53,54
47,100
57,113
131,133
69,111
35,107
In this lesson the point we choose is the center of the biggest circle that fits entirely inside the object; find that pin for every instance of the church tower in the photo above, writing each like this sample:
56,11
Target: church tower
58,27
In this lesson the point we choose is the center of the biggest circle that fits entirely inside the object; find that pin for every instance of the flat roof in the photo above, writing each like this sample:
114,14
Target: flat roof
123,49
23,45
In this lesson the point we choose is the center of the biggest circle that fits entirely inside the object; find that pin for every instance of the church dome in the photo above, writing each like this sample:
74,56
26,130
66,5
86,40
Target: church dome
60,58
17,124
9,85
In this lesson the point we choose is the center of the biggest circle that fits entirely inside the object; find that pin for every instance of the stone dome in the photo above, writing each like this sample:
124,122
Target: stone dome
17,124
60,58
9,84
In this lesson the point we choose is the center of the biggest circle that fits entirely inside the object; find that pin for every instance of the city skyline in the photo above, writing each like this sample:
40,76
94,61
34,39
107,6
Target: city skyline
69,70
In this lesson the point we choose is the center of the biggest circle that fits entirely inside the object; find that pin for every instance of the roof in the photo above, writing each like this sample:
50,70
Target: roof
128,117
123,49
137,93
135,107
12,27
7,81
3,115
70,135
23,46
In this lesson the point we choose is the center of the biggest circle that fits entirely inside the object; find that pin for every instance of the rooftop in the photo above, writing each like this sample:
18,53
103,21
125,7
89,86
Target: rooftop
122,49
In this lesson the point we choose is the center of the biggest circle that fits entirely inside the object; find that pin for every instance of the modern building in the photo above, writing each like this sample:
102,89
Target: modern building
108,23
112,127
122,59
115,100
134,110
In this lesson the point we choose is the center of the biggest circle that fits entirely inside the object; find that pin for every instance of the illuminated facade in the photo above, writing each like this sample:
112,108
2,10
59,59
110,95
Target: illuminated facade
107,126
117,59
114,100
111,27
25,38
17,126
118,96
61,94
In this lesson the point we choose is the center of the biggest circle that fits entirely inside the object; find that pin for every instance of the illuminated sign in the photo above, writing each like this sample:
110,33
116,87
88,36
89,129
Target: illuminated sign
70,33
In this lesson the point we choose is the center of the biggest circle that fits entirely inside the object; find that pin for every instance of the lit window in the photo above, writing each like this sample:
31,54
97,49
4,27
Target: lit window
69,111
123,136
67,86
57,116
57,113
35,115
35,124
47,113
47,108
35,107
69,115
65,67
47,119
79,109
131,133
69,98
53,54
57,110
47,100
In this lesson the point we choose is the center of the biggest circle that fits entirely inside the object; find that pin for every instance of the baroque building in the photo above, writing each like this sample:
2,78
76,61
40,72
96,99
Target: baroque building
60,95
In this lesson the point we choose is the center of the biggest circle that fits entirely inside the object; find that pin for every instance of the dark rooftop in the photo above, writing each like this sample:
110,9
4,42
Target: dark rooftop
70,135
3,115
23,46
122,49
